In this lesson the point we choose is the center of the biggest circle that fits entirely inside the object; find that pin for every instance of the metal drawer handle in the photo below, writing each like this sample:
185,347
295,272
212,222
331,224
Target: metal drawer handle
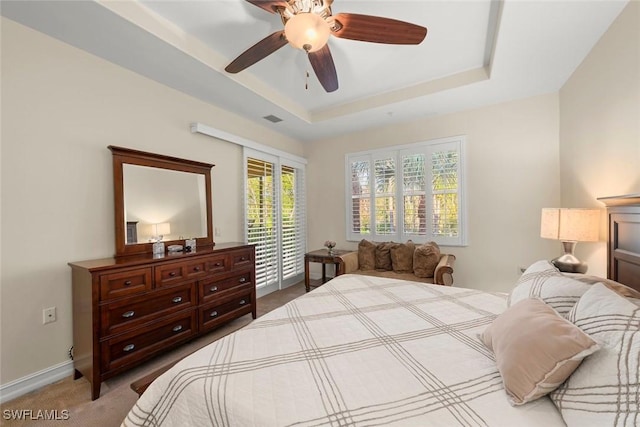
127,283
243,279
172,274
243,258
242,302
213,314
177,300
128,347
196,268
217,264
128,314
177,328
213,289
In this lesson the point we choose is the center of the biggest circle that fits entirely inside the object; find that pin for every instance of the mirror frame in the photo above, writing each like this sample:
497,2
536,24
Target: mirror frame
123,156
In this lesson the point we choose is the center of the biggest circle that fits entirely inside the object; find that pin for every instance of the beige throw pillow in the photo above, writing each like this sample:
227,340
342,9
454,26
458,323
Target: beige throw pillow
402,257
366,255
536,349
383,256
425,260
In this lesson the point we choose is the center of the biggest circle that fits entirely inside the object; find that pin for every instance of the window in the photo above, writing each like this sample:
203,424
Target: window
275,218
411,192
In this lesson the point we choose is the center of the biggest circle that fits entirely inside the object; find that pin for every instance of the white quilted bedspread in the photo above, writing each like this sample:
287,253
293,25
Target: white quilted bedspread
362,351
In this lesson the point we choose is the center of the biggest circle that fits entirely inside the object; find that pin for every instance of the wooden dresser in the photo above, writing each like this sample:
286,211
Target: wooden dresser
129,309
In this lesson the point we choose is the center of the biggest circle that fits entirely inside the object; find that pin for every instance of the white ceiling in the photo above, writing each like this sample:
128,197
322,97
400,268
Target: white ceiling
476,53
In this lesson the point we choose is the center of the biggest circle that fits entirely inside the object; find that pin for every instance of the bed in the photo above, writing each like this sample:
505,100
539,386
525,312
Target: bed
372,351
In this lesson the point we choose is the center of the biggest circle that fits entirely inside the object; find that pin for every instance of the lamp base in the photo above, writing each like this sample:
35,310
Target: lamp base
567,262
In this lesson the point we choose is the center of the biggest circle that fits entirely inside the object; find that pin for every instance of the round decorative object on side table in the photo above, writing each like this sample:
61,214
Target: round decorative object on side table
330,244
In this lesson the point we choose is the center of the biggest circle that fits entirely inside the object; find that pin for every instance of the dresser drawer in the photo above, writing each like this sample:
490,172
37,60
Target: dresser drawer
211,289
120,316
241,258
137,345
125,283
217,263
217,313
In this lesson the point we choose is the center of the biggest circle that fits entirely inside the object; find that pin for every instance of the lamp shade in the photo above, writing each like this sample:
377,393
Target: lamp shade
307,31
161,229
576,225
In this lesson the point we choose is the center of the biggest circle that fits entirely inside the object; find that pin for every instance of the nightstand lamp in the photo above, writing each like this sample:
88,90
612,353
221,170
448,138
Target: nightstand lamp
570,226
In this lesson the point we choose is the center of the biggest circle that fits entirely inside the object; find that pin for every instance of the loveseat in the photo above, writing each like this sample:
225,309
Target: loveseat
407,261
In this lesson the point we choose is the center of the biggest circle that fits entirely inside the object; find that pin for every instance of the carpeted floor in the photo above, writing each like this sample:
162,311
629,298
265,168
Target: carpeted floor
72,399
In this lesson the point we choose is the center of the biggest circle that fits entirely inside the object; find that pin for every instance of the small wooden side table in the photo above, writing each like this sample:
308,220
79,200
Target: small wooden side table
322,256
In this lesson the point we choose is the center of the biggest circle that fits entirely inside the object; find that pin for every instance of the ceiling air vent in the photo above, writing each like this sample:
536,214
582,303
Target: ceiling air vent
272,118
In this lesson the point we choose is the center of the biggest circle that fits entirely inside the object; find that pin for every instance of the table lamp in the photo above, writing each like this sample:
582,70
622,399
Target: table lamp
159,231
570,226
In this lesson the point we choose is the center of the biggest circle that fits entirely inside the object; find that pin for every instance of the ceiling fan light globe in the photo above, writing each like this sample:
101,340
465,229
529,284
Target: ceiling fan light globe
307,31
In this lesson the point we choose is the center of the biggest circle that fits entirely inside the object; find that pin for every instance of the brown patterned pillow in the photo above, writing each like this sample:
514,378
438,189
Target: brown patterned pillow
425,260
366,255
383,256
402,257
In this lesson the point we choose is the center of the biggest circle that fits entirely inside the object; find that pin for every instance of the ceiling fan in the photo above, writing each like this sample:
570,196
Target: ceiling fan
308,25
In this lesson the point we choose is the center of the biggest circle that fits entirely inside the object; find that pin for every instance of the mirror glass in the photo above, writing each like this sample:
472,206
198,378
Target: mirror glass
157,195
154,196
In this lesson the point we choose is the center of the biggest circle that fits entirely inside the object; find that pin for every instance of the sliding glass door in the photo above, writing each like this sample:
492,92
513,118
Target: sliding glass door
275,218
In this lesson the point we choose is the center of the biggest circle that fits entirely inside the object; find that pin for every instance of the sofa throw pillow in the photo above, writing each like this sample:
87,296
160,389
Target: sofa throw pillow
383,256
544,281
604,389
402,257
425,260
536,349
366,255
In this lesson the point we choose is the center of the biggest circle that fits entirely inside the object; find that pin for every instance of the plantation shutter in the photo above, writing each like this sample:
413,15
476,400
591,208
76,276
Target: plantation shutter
385,196
261,219
414,195
359,181
293,222
413,192
445,196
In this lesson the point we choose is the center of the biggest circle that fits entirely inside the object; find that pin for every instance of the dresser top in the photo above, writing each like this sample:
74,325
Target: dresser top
108,263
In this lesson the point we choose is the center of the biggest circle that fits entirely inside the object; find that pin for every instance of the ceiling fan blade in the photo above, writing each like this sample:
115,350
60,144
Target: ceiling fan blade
268,5
258,51
322,63
375,29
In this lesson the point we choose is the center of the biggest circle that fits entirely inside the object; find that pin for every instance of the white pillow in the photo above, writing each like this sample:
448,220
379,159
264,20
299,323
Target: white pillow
604,390
542,280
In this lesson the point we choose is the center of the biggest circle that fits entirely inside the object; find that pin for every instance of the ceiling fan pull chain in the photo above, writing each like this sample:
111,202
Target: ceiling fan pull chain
306,81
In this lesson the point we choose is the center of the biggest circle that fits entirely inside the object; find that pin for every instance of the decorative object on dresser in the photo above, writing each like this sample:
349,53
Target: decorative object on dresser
140,303
570,226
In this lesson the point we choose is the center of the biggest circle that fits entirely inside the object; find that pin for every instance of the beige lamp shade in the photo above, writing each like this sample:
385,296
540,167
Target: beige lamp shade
576,225
161,229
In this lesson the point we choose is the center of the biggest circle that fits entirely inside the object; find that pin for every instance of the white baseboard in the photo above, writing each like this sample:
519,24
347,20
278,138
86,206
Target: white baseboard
34,381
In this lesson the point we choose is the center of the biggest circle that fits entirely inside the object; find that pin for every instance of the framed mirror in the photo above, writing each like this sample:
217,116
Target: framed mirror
160,197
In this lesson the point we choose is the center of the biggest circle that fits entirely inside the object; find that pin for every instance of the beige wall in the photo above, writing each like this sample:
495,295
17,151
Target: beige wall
600,127
512,172
61,108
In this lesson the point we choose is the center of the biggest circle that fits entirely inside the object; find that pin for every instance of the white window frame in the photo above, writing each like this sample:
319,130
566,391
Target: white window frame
426,147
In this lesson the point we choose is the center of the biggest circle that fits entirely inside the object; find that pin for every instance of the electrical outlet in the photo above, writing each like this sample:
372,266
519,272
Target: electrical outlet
48,315
217,231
